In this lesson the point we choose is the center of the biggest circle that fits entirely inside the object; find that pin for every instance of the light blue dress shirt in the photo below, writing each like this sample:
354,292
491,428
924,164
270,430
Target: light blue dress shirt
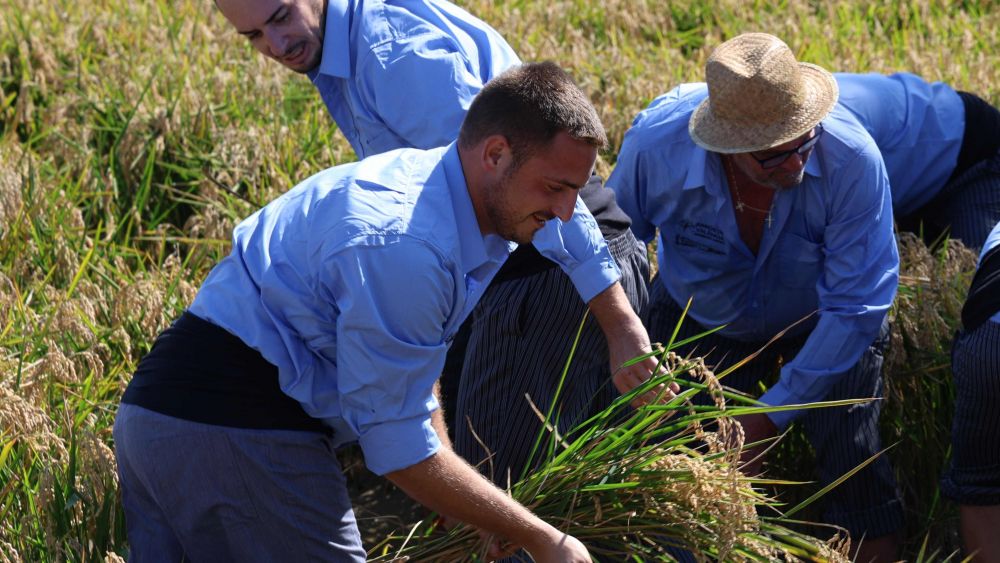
353,284
398,74
918,127
991,241
830,247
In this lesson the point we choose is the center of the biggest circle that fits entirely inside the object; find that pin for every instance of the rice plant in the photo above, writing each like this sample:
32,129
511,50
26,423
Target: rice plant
646,484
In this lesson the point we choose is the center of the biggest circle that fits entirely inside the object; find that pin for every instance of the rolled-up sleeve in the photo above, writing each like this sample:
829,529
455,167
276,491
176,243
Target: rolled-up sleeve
394,302
856,289
580,250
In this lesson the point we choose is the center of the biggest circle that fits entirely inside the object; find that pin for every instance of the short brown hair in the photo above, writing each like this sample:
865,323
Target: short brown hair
530,104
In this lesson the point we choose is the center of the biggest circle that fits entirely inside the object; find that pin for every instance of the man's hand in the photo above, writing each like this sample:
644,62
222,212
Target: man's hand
451,487
756,427
627,339
560,548
496,547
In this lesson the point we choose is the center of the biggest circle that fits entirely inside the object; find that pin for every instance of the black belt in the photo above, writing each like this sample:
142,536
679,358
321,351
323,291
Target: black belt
200,372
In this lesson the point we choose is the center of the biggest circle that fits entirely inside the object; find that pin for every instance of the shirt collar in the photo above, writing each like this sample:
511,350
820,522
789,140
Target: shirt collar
476,249
336,59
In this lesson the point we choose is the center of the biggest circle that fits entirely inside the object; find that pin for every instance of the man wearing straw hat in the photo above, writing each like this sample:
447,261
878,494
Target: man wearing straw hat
402,74
773,209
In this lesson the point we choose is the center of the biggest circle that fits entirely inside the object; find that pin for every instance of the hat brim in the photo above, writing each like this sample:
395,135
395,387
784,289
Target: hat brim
726,136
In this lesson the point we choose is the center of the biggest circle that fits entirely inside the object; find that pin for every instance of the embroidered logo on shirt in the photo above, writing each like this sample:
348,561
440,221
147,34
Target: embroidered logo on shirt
702,236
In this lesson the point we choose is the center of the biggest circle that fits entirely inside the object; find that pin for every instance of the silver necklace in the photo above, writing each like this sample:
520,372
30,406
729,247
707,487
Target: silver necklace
740,204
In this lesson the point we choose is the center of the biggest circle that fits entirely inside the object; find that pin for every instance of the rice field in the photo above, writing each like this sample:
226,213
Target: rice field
134,135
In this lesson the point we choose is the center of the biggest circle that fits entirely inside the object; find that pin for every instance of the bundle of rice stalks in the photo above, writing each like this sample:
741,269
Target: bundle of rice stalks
645,484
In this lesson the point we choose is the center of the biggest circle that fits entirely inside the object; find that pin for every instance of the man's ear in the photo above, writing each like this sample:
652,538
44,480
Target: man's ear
496,153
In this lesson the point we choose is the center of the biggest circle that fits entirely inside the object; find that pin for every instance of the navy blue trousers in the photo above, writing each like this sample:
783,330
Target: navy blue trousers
200,492
968,207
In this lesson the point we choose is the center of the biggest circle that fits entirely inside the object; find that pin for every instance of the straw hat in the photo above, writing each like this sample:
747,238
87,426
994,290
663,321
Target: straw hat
759,96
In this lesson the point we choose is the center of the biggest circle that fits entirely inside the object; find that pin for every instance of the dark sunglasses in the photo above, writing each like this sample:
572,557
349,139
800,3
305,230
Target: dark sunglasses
775,161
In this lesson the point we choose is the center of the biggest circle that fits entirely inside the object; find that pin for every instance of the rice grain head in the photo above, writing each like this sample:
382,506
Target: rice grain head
23,421
8,554
12,173
98,469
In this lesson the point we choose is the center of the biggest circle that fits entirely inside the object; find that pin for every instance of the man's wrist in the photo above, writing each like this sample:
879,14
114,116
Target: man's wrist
541,540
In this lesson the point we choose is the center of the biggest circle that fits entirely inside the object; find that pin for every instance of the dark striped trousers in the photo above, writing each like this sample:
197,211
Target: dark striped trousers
868,503
521,335
973,477
970,204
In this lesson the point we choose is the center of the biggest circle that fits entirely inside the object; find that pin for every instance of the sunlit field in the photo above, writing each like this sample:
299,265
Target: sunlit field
135,135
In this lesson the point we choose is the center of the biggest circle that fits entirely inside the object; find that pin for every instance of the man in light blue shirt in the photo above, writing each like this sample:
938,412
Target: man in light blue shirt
392,74
330,322
941,149
772,204
402,74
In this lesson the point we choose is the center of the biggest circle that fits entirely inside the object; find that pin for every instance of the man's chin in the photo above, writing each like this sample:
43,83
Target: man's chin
787,183
302,69
520,236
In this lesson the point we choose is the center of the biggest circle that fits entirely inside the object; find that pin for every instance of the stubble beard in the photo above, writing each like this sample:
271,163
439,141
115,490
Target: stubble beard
786,182
500,211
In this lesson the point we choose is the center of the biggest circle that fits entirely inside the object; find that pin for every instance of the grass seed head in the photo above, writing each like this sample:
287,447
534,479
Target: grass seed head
26,422
8,554
12,174
96,465
53,369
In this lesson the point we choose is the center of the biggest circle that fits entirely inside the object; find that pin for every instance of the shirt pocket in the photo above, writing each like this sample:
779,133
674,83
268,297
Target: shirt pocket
702,255
799,261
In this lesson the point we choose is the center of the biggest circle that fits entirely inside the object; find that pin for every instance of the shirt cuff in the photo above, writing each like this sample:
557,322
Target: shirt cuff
595,275
391,446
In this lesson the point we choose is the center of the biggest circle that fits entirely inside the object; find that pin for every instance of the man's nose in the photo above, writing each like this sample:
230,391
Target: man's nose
795,162
277,43
566,203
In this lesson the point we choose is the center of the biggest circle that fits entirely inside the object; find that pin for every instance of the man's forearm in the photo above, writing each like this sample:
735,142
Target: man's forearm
437,419
627,338
448,485
620,324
